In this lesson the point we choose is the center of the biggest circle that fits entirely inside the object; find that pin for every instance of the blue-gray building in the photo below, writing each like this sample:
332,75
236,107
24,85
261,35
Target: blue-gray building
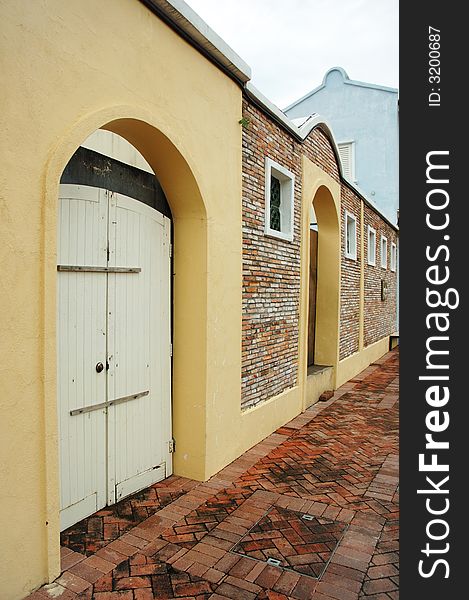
364,120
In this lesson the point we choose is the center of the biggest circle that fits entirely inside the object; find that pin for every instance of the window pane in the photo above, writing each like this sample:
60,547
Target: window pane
384,252
275,204
351,243
371,246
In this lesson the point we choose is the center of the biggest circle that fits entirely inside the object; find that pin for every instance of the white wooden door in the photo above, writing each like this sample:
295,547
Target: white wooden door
139,342
113,308
81,345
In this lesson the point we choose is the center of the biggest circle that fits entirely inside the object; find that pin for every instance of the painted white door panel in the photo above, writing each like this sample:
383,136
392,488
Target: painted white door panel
124,318
139,342
140,481
81,337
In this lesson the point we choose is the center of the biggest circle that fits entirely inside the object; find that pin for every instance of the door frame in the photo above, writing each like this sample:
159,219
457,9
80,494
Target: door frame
324,193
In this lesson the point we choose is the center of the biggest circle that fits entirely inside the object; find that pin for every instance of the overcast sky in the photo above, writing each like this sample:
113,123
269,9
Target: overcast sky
290,44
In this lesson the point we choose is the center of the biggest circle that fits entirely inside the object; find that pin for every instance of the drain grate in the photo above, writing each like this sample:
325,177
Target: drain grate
292,540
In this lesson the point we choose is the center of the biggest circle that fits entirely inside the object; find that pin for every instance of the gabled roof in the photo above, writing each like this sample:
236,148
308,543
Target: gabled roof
346,81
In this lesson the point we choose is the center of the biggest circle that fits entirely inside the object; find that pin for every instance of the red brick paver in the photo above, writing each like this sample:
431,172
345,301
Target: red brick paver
336,463
299,542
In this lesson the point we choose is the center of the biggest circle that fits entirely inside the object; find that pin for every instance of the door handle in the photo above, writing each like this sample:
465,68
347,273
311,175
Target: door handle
99,367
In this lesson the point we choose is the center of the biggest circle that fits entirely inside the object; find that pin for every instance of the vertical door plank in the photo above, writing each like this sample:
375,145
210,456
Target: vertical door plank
139,344
81,343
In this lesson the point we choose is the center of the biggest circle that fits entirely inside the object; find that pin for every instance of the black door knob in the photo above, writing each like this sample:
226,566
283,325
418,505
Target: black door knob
99,367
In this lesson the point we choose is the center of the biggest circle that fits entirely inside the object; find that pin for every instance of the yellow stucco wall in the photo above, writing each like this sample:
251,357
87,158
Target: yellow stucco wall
350,366
70,68
318,383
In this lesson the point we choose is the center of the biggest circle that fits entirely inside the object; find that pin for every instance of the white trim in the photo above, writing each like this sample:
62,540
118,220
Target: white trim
287,189
384,265
186,19
301,132
393,257
371,230
346,80
350,217
372,86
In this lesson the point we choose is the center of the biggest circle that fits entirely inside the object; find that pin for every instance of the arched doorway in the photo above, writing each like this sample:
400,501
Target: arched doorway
113,328
320,283
189,310
323,293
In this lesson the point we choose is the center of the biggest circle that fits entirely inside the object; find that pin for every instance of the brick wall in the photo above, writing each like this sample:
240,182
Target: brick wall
349,280
380,316
318,149
271,267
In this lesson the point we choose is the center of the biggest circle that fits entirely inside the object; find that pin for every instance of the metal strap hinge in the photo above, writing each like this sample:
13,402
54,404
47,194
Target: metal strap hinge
172,446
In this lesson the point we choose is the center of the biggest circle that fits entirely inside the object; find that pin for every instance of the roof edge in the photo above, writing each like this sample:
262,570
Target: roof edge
305,97
301,133
347,81
373,86
187,23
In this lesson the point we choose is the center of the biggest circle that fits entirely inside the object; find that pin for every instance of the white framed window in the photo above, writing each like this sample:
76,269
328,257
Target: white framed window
384,252
347,158
371,246
393,256
350,236
279,200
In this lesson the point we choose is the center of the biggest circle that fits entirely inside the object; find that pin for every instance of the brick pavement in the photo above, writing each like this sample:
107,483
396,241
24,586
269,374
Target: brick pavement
320,496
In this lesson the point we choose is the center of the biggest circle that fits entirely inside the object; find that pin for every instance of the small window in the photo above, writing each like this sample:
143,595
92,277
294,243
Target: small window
350,236
384,252
279,200
393,256
371,246
347,158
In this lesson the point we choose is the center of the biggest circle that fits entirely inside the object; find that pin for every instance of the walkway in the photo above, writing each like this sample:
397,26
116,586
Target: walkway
310,512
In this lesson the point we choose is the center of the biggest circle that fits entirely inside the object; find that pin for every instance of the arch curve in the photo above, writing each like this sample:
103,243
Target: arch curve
322,192
328,283
190,283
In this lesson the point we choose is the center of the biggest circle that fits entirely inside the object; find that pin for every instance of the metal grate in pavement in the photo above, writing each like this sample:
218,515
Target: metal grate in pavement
292,540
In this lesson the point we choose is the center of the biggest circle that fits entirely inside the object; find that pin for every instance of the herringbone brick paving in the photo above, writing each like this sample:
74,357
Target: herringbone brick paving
110,523
299,542
337,462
